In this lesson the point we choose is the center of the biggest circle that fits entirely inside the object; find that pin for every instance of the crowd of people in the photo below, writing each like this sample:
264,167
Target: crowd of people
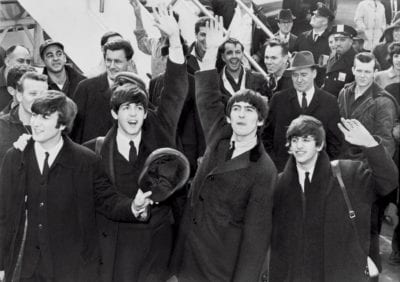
291,168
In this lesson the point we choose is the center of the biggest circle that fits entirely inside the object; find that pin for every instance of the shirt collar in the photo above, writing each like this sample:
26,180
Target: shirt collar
123,143
52,151
242,146
309,93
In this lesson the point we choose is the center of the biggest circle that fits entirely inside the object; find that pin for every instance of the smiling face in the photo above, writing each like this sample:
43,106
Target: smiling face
232,56
244,120
304,149
274,59
54,59
45,130
130,118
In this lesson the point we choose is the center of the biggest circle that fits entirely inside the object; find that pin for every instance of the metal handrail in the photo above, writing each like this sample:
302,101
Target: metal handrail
248,57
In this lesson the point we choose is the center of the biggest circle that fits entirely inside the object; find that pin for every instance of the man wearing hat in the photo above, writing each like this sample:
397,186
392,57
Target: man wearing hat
339,68
304,98
316,40
61,76
285,23
140,251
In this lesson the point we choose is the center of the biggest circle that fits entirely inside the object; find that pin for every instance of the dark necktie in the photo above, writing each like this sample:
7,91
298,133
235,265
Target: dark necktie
46,167
307,182
315,37
132,152
230,151
304,102
272,82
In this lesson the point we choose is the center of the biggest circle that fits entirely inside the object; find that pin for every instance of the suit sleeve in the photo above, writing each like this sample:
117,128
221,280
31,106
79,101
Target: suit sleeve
173,97
386,115
257,227
107,200
80,98
6,181
209,103
334,137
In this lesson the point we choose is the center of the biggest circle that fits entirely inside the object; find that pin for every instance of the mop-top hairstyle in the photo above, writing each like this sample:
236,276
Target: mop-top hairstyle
55,101
253,98
304,126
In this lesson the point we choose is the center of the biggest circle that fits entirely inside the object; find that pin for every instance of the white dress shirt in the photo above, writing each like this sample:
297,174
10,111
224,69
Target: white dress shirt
302,175
123,143
40,153
309,95
242,147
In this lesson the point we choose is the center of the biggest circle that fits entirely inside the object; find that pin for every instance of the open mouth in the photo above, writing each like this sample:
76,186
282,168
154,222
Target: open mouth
132,123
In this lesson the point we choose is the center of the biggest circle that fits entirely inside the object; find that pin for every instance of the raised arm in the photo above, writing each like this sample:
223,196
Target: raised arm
208,96
175,88
381,166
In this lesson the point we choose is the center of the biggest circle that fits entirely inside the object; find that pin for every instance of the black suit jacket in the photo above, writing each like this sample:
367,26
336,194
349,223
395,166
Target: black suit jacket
92,96
285,107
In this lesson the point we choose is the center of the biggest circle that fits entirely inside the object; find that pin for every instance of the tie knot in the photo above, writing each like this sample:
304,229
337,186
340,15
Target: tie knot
46,155
307,175
131,143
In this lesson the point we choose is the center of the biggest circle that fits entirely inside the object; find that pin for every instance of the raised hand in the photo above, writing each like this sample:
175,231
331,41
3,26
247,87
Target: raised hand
136,6
215,33
356,134
165,22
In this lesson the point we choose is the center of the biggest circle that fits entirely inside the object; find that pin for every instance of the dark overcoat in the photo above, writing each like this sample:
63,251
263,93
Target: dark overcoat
90,189
73,79
285,107
253,80
158,131
92,96
339,72
343,257
305,42
226,227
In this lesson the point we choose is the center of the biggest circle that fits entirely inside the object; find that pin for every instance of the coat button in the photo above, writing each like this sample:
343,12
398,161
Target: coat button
201,198
40,226
41,205
212,177
194,221
104,234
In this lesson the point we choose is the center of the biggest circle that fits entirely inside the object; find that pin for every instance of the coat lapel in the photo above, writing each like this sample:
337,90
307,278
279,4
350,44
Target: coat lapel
314,103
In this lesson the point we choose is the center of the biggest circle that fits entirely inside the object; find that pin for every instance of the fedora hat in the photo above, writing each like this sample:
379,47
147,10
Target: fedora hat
301,60
285,15
323,11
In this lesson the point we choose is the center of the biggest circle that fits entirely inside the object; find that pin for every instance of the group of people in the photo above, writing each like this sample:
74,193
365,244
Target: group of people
290,171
